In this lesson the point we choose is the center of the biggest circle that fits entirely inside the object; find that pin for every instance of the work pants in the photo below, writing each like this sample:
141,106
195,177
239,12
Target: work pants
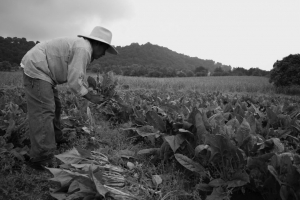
44,109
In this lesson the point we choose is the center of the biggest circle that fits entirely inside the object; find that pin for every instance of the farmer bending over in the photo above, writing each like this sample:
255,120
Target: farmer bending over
62,60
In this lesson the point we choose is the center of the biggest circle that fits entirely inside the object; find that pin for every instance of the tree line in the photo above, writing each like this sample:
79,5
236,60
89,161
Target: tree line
12,51
158,71
134,60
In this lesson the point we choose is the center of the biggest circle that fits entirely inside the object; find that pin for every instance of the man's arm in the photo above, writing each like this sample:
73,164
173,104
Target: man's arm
76,74
77,71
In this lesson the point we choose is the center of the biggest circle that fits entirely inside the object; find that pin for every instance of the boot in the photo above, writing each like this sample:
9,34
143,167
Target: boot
39,163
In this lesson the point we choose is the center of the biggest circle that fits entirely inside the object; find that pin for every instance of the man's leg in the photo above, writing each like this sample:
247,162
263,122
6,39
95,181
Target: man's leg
56,120
41,109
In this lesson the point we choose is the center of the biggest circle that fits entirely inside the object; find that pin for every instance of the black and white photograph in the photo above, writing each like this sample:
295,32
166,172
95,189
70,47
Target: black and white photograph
149,100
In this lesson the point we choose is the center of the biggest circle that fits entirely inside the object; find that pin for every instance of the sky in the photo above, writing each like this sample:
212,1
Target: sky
240,33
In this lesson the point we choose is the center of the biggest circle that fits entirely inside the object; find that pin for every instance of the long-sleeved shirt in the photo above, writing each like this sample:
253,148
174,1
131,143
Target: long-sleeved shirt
61,60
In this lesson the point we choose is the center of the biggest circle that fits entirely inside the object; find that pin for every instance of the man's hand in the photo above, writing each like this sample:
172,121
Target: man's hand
94,98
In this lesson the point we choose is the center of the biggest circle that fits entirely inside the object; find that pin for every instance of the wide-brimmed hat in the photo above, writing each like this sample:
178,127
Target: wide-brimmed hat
103,35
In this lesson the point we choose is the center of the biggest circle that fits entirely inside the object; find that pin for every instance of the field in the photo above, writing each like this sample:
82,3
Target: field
159,139
204,84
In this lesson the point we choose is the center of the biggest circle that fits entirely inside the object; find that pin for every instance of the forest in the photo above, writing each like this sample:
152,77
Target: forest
12,50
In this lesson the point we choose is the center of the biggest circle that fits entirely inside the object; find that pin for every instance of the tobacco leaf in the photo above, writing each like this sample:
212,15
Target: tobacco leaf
239,179
204,187
217,182
148,151
155,120
221,145
63,176
146,130
190,164
243,132
71,157
175,141
98,180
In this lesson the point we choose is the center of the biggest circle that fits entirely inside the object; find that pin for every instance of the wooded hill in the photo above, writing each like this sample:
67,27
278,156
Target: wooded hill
133,60
13,49
149,55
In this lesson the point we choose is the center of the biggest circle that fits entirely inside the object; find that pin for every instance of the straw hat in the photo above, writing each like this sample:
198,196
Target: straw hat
103,35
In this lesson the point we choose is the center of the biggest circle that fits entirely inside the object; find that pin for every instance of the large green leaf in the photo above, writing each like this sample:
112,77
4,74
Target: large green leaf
175,141
186,133
85,184
200,148
217,119
243,132
239,179
238,112
83,153
221,145
272,145
199,124
228,108
245,139
204,187
278,146
70,157
273,171
147,131
148,151
190,164
252,122
259,162
217,182
73,186
98,180
63,176
155,120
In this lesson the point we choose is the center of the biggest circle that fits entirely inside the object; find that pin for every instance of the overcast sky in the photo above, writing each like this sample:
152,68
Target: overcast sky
253,33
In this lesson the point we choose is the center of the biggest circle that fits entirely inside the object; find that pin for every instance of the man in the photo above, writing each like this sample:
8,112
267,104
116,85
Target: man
62,60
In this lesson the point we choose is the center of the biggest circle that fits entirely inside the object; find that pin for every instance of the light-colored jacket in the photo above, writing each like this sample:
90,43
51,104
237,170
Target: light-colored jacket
58,61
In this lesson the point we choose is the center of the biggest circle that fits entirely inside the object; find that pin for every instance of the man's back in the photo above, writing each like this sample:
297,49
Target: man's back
51,61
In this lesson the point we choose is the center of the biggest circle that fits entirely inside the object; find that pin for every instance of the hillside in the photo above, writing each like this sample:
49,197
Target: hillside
134,60
156,56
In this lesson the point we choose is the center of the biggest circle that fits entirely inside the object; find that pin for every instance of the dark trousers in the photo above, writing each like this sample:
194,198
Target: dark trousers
44,109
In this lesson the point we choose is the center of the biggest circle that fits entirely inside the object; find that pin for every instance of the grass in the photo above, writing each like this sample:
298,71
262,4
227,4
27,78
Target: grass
248,84
231,84
24,184
202,84
11,79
